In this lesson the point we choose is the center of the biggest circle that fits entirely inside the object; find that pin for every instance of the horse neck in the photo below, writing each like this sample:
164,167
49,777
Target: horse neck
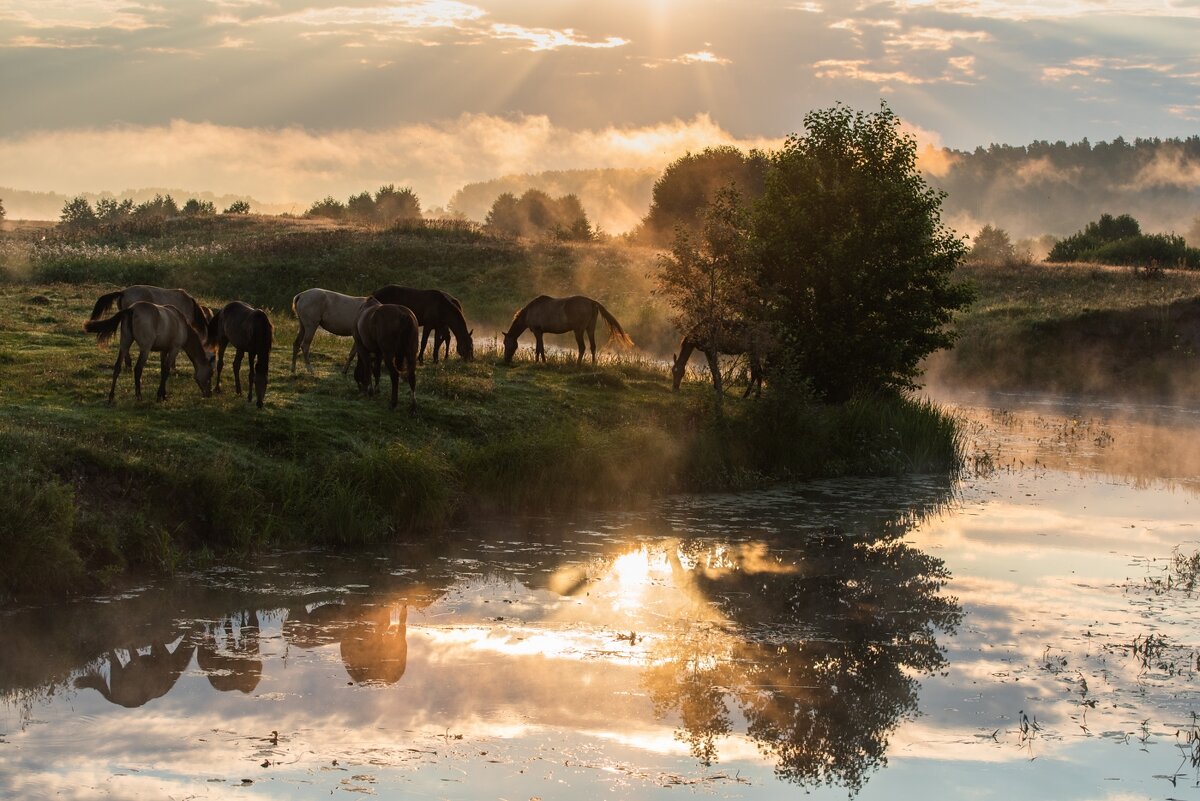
519,323
454,318
193,348
685,350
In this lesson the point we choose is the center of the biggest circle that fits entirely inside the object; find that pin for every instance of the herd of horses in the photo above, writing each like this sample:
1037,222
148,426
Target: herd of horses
389,328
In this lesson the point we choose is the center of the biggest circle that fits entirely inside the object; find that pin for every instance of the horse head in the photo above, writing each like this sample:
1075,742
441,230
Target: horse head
678,368
466,346
510,346
204,372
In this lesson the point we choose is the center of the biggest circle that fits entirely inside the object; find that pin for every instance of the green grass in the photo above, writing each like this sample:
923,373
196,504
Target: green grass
91,491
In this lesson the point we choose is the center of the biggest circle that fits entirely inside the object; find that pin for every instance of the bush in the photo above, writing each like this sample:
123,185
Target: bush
536,214
1119,240
328,208
238,207
992,246
198,208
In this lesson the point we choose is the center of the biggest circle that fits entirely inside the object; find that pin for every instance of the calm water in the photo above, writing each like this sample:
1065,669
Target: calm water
1028,631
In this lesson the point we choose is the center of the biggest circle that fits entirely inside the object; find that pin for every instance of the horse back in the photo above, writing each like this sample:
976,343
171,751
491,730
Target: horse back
157,327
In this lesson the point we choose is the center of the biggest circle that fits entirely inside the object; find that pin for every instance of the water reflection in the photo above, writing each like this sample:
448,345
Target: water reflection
820,655
140,677
786,631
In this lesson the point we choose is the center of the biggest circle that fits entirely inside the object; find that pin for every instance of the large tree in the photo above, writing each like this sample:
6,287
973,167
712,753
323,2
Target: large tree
854,255
682,194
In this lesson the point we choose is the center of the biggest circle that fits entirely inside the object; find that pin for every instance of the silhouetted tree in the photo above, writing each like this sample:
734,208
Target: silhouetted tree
396,205
110,210
536,214
361,207
328,208
690,183
160,208
854,252
2,212
238,207
198,208
77,213
992,245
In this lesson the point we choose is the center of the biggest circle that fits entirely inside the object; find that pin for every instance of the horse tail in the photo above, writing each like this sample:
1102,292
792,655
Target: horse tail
104,329
93,681
103,302
614,328
295,313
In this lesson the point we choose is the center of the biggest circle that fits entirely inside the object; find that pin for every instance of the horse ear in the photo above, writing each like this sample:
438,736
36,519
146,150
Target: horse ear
471,333
674,357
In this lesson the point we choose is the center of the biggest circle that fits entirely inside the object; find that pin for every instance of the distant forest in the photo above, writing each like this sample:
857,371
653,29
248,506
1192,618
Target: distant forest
1030,190
1057,188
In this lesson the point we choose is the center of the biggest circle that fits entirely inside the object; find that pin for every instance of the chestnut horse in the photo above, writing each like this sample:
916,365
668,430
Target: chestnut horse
154,328
547,315
385,332
250,331
734,341
436,311
321,308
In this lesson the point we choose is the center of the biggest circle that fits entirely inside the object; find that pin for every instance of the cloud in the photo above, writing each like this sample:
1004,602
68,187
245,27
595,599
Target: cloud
1170,168
404,16
1022,10
958,70
702,57
122,15
933,39
297,165
540,39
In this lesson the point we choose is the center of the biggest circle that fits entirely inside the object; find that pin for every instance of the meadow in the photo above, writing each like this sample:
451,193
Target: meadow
92,493
1077,329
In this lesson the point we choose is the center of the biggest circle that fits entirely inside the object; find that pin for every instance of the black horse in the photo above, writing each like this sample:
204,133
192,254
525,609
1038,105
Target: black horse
436,311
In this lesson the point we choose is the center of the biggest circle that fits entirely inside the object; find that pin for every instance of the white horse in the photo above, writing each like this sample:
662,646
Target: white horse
321,308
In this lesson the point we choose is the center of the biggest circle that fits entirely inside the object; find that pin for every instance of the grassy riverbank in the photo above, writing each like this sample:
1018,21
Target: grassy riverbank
1077,328
89,492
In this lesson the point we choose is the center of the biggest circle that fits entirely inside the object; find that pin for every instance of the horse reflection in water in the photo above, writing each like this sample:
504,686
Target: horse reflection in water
373,639
143,677
821,656
230,657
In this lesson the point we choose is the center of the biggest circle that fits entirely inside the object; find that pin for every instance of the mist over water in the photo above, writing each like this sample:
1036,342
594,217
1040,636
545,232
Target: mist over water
1026,628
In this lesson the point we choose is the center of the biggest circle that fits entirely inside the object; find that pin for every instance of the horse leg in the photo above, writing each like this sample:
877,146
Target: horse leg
222,344
237,370
297,345
539,352
591,341
579,340
350,358
166,364
411,373
250,377
137,372
424,340
393,374
714,365
376,364
122,355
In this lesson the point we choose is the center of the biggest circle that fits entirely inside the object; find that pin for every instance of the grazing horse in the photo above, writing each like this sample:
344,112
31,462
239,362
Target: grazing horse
322,308
154,328
547,315
731,341
197,313
436,311
385,332
250,331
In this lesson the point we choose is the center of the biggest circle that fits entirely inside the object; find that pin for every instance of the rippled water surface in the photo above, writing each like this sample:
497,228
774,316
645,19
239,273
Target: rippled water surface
1030,630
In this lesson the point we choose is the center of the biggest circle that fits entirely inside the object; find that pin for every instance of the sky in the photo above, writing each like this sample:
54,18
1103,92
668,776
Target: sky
292,100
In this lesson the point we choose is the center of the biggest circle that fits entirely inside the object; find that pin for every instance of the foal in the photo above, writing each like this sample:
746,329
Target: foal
250,331
385,332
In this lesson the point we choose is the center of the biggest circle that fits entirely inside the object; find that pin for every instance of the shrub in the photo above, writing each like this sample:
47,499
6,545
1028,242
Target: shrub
78,213
198,208
238,207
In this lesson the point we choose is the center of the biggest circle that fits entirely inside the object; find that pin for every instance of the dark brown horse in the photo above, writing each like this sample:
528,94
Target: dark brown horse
385,332
547,315
733,341
155,328
250,331
436,311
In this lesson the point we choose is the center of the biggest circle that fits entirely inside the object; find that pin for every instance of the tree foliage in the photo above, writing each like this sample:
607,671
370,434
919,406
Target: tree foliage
328,207
396,205
1119,240
110,211
198,208
238,207
708,277
535,214
77,213
691,182
2,212
161,207
853,255
993,246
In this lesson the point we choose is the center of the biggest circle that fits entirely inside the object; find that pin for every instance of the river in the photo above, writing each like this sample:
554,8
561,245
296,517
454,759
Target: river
1025,630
